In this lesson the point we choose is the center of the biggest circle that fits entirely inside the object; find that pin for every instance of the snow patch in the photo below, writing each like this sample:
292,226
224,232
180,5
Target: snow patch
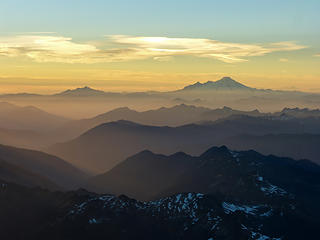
230,207
271,189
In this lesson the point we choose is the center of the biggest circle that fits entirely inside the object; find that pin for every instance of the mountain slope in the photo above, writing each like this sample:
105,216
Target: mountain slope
238,175
13,173
24,138
297,146
49,166
225,84
28,118
171,116
102,147
143,175
81,92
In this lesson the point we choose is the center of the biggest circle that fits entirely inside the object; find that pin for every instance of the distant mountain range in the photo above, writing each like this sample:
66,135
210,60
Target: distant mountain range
174,116
28,118
105,145
84,101
32,128
164,116
223,84
221,194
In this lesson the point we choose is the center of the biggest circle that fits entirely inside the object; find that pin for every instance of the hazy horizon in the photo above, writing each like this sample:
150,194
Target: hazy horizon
118,89
164,50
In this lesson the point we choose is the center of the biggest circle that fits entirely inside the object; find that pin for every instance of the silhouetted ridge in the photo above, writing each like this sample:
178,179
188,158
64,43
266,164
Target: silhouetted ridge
216,151
144,153
179,155
84,91
225,83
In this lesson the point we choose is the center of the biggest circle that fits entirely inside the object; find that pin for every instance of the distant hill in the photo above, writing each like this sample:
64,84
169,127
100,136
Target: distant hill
165,116
28,118
12,173
25,138
48,166
104,146
173,116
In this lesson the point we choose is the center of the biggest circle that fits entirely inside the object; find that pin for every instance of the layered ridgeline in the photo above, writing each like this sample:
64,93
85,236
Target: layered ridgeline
164,116
221,194
27,126
40,130
298,146
33,128
33,168
28,118
173,116
105,145
237,174
77,103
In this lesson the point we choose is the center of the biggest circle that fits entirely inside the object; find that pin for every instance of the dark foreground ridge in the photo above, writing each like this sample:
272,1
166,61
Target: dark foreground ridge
38,214
221,194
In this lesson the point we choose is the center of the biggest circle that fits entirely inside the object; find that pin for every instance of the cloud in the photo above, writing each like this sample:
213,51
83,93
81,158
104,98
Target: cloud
42,48
45,48
284,60
163,59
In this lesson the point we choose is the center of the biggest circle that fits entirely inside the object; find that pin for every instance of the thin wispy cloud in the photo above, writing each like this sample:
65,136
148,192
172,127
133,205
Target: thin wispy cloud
284,60
42,48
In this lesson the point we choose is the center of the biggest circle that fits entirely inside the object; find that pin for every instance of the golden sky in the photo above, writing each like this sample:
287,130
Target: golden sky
43,63
139,47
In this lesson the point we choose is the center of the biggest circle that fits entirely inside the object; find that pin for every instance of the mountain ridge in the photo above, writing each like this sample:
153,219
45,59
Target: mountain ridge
225,83
51,167
108,139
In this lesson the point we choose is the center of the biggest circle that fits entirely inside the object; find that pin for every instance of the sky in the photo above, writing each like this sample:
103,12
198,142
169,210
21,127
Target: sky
48,46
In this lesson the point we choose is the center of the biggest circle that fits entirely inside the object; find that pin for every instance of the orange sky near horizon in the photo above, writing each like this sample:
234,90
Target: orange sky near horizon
149,46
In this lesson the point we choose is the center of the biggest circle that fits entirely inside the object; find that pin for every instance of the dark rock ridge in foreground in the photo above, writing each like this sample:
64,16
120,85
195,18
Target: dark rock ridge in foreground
245,175
38,214
221,194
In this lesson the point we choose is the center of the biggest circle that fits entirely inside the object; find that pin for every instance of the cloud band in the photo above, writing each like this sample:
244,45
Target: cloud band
62,49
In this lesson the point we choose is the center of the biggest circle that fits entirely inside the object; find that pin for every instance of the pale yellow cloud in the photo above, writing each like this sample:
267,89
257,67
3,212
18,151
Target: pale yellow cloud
284,60
163,59
44,48
62,49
